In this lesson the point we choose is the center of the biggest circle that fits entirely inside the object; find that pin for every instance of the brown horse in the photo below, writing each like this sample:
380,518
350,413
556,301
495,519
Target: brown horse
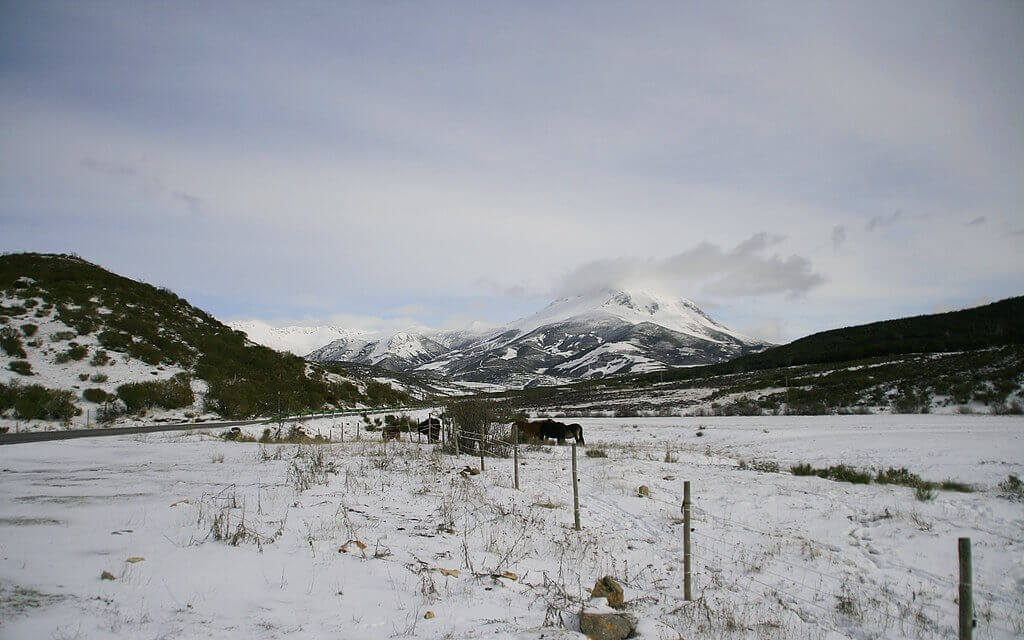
431,427
543,429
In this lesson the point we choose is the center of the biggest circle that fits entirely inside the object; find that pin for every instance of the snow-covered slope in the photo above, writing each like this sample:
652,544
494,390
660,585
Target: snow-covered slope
597,334
295,339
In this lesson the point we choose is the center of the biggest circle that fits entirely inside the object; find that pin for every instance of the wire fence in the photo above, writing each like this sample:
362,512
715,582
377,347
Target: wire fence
816,581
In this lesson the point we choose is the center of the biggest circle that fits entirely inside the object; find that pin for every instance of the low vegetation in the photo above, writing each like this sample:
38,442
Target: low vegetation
36,402
175,393
75,352
1012,488
21,367
924,489
95,395
10,342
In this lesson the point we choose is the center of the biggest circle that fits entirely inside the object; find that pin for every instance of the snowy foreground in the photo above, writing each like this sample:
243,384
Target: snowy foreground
211,539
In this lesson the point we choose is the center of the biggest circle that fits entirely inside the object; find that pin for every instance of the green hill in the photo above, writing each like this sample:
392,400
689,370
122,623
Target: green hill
71,323
993,325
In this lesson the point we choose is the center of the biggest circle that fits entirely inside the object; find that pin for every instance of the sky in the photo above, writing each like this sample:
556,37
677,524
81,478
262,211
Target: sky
791,167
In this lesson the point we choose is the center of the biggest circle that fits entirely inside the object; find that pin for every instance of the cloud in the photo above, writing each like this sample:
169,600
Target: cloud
838,236
879,222
977,221
108,168
411,309
505,290
745,270
770,331
193,202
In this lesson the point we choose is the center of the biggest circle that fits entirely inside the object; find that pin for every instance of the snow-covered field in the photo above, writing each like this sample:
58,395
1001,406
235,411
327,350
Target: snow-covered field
776,556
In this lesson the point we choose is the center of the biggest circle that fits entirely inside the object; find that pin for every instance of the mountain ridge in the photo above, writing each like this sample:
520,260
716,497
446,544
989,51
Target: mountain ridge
602,332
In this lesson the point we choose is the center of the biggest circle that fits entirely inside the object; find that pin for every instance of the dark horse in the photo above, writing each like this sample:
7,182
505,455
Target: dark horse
548,428
431,427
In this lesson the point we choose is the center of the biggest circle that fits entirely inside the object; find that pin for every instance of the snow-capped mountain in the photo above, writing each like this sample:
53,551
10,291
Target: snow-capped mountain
585,336
295,339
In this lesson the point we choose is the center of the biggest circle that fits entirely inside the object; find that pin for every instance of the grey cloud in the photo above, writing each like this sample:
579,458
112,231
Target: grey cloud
745,270
193,202
506,290
770,330
879,222
838,236
977,221
108,168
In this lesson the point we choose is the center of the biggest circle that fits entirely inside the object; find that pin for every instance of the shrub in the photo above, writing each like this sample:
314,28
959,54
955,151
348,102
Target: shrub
62,336
924,493
95,395
839,473
83,376
952,485
36,402
596,453
765,466
99,377
11,343
1012,409
809,408
1012,488
901,476
75,352
99,358
845,473
29,329
403,421
110,411
166,394
741,407
381,394
22,367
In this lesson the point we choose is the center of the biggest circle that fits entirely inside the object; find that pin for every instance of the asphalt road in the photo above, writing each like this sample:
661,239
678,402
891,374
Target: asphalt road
42,436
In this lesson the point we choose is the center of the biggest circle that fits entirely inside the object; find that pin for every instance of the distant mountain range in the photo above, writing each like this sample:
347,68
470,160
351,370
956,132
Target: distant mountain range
295,339
581,337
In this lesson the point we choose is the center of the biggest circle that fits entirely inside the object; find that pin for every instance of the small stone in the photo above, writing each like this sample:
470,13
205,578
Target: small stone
135,559
428,615
644,491
608,587
106,575
607,626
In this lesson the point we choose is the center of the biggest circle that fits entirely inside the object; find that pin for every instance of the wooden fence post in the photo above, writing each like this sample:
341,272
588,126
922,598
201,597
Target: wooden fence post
966,590
687,568
575,490
455,433
515,453
480,445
